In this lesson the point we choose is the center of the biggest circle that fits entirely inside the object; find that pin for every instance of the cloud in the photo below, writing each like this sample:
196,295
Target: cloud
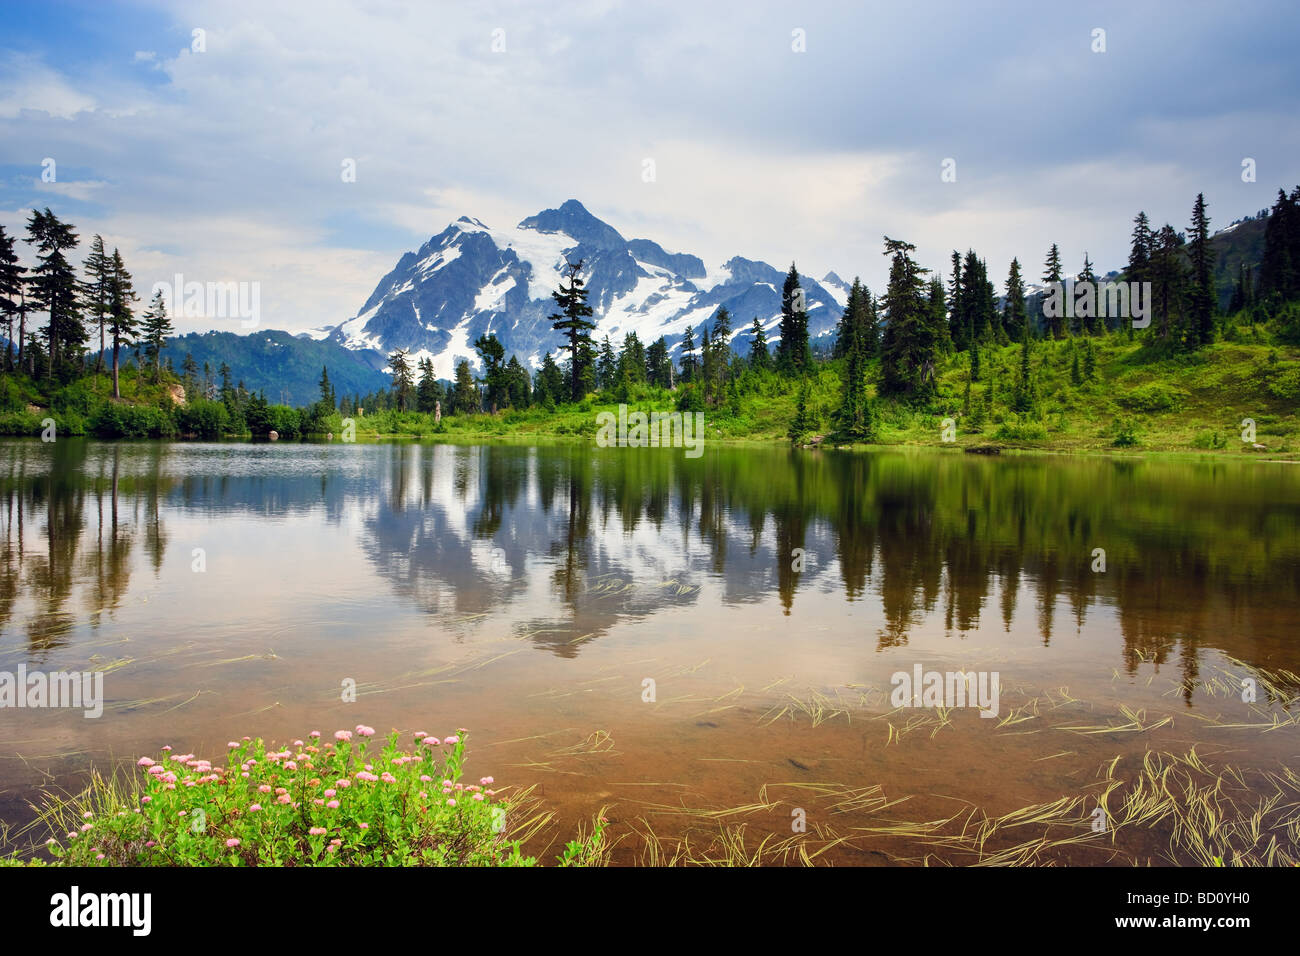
230,159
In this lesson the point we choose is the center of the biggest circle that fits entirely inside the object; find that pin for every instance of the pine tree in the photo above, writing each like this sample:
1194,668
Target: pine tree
606,365
518,387
492,356
758,355
54,288
155,327
1089,361
1168,283
854,419
1015,313
793,352
688,354
573,321
1087,323
1051,276
548,386
122,324
326,389
1139,257
189,376
1200,294
12,294
721,349
1025,397
910,347
1279,266
403,379
465,398
659,367
99,271
428,393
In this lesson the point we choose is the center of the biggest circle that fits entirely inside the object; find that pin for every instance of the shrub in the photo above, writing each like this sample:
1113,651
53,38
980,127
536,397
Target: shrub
117,420
1125,433
204,418
1021,431
1152,397
316,803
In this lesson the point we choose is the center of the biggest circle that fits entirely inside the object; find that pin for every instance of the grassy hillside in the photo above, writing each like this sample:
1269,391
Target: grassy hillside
1136,401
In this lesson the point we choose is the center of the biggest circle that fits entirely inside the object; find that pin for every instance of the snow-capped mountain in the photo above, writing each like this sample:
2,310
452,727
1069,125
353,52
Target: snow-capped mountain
472,279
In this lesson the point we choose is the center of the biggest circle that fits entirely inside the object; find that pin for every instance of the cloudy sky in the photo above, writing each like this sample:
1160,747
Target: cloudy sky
797,131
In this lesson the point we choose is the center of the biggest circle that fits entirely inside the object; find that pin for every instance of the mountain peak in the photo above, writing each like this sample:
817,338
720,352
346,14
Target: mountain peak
573,219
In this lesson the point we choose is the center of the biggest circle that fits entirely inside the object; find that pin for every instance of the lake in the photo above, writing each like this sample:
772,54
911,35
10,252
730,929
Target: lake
709,648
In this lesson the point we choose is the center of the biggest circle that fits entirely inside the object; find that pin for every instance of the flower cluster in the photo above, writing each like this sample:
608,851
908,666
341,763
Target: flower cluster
316,802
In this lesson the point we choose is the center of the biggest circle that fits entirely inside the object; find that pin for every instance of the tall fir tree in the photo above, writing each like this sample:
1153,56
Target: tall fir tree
1015,312
154,328
122,323
573,320
910,349
1051,276
758,354
1200,293
794,352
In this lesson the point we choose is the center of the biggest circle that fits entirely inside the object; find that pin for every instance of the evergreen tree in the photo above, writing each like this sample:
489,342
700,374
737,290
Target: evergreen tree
95,290
1015,313
465,398
573,321
607,365
518,387
1168,283
1139,257
758,355
793,352
12,292
189,376
54,288
688,354
910,347
659,367
721,349
548,387
122,324
496,386
1087,323
854,420
631,360
1279,267
155,327
403,379
1051,276
326,389
1200,295
428,392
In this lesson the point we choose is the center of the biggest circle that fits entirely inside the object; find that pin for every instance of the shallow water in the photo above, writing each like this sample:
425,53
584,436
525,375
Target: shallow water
529,593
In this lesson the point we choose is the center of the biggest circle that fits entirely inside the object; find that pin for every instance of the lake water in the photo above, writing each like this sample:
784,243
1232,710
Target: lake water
707,646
